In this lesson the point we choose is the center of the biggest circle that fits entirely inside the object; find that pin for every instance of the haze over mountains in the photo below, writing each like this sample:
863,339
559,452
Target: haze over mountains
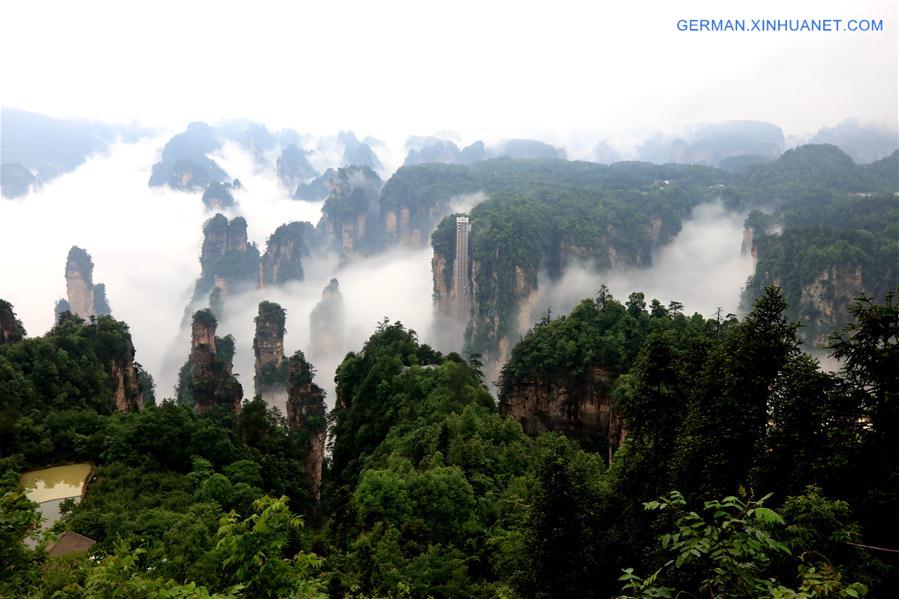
424,300
368,226
46,147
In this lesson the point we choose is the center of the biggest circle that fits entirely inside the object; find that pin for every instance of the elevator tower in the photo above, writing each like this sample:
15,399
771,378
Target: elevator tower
461,280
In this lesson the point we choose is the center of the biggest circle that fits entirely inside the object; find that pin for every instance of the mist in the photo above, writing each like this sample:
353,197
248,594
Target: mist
395,285
702,267
144,242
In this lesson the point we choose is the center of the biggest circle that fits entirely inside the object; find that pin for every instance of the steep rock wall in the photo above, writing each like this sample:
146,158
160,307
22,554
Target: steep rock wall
306,413
206,381
11,329
268,347
326,322
350,222
284,252
580,408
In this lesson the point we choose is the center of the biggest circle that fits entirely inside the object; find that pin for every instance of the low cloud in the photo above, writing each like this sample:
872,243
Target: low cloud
702,268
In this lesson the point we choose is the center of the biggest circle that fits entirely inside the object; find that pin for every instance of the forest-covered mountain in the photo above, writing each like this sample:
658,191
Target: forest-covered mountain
542,217
831,233
713,144
741,468
820,226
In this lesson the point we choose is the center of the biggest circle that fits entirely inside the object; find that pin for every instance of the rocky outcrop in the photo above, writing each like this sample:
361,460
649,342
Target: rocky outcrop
101,304
326,322
824,302
184,164
125,377
306,414
748,245
402,231
84,299
489,326
293,167
258,140
131,387
206,381
317,189
61,308
358,153
433,150
218,196
655,228
237,235
268,347
529,149
443,290
504,286
215,241
425,150
284,253
80,283
495,319
350,216
579,408
11,329
228,261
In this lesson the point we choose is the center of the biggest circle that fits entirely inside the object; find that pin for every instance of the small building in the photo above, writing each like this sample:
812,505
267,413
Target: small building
70,542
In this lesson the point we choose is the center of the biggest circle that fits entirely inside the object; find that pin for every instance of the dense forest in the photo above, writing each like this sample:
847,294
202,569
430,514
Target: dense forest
744,470
832,234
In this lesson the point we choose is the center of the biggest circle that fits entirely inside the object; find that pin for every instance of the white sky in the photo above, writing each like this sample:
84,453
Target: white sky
486,69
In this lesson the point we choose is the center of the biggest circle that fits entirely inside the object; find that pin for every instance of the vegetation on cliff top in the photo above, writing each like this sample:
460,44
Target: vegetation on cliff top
430,492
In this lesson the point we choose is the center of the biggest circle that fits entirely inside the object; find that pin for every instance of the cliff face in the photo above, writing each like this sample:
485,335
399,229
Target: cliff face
80,283
284,253
61,307
504,283
218,196
748,245
184,164
494,323
126,381
228,261
101,304
503,295
580,408
350,215
268,347
293,167
326,322
317,189
306,413
443,294
400,229
11,329
824,303
206,381
84,299
215,241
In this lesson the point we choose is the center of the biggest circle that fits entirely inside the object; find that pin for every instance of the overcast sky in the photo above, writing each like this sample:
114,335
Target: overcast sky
484,69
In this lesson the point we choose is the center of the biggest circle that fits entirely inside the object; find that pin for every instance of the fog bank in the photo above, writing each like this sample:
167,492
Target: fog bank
702,268
144,242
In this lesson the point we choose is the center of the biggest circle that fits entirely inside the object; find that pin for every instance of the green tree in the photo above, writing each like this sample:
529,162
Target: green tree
251,551
733,549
